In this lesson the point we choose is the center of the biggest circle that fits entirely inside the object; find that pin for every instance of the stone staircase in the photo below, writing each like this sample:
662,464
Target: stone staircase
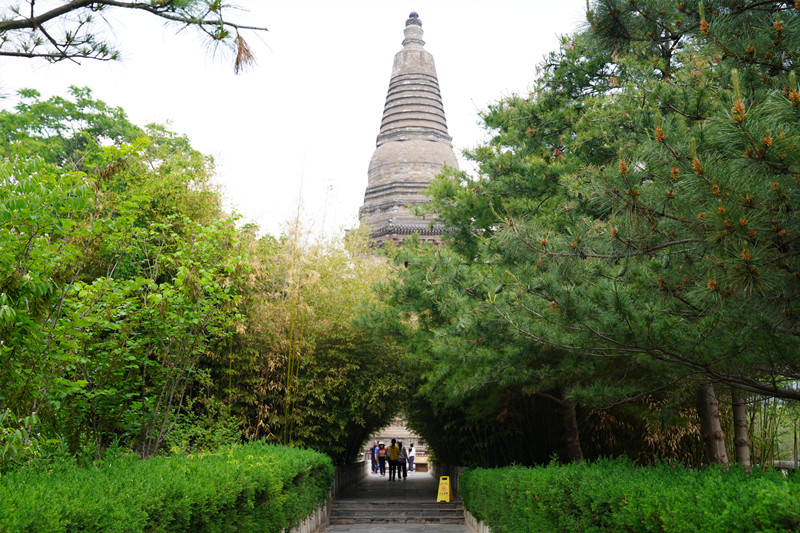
376,500
343,512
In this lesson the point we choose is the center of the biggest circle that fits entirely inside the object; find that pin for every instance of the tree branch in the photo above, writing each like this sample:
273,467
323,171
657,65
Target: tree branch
81,43
33,23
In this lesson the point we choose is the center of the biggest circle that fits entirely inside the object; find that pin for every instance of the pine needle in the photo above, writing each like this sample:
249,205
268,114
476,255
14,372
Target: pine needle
244,56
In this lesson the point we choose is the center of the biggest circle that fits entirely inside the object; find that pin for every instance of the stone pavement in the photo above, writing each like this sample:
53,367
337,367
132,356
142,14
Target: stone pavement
378,505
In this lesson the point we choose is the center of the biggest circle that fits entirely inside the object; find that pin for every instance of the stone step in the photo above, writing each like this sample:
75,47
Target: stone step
426,513
334,521
378,504
396,519
409,512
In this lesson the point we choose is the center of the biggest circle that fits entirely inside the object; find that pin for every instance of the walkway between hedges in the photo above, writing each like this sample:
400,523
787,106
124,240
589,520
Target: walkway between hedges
378,505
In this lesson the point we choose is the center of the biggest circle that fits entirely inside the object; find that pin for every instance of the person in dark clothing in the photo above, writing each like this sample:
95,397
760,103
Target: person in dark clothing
374,453
402,461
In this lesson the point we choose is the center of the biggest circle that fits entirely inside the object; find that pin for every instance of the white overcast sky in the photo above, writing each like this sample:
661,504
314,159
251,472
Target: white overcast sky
309,112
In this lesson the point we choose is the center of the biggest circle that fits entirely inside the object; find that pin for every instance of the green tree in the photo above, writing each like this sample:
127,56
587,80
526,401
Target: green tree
133,306
465,351
635,212
137,342
118,272
43,213
674,247
73,29
61,130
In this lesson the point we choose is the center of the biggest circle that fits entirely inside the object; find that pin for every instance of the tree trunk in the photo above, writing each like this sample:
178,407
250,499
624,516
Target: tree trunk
571,433
708,411
740,438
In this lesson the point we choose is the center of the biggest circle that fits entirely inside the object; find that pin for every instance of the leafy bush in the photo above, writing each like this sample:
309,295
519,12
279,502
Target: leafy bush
205,424
616,495
16,438
243,488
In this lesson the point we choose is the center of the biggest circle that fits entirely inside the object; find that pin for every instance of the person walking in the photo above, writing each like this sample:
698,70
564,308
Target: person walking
394,454
374,450
382,458
402,461
411,454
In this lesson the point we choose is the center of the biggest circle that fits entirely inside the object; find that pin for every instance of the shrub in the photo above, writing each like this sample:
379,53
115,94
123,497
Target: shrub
616,495
243,488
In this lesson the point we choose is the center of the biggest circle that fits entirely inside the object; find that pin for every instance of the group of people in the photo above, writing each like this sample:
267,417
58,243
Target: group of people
397,457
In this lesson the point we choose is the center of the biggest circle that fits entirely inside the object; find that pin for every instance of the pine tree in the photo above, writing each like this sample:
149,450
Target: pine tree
638,207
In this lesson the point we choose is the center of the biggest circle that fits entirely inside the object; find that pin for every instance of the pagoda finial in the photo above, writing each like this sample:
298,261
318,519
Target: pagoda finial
412,33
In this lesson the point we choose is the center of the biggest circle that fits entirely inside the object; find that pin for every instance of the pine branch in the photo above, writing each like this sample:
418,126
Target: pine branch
87,47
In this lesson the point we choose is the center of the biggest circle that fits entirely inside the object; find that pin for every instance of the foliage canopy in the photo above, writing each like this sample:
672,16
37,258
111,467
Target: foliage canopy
632,230
134,311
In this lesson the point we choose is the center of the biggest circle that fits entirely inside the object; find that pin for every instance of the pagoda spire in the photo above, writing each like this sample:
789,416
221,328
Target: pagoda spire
413,145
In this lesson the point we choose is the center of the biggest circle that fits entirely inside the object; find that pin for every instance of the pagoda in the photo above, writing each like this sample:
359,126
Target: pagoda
412,147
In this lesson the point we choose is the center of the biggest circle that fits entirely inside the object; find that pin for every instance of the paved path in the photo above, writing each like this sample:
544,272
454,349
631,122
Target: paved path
419,487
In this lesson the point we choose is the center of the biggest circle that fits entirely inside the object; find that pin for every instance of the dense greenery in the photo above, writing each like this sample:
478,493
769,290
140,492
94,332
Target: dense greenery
631,236
256,487
616,495
301,369
629,248
118,271
134,311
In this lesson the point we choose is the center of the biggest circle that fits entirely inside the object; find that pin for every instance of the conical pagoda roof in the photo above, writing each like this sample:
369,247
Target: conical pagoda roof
413,145
414,102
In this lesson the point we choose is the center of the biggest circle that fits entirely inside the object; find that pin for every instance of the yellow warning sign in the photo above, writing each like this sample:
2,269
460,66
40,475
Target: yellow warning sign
444,489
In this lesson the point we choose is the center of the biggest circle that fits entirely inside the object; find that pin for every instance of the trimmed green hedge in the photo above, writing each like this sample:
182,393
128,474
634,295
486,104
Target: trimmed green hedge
256,487
616,495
